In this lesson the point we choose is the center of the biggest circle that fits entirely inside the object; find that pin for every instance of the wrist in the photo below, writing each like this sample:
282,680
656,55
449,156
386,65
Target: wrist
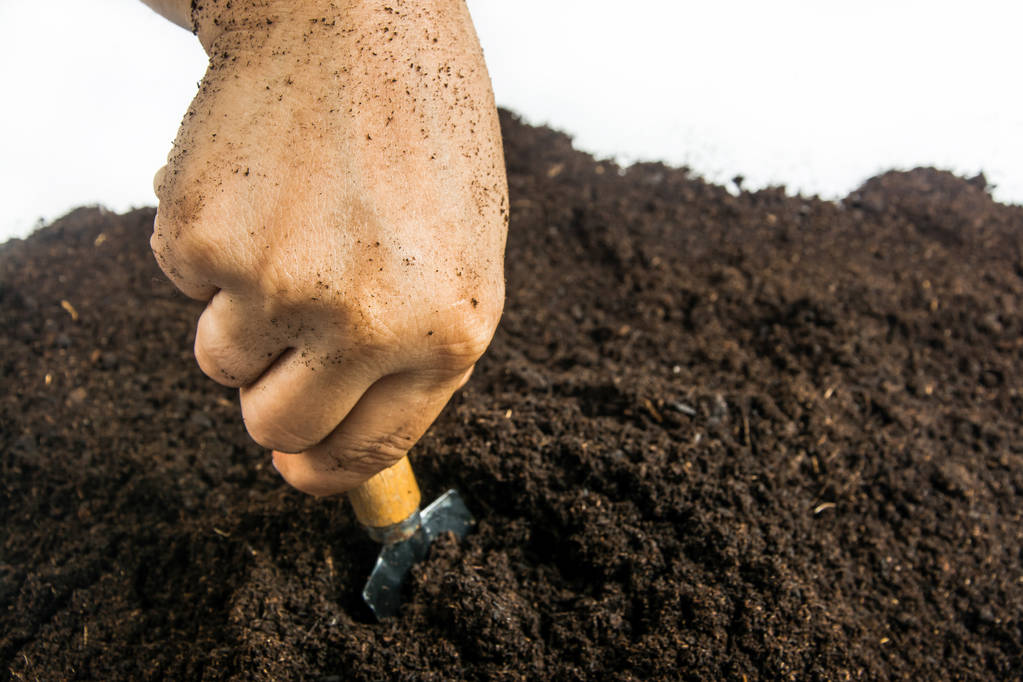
260,21
211,19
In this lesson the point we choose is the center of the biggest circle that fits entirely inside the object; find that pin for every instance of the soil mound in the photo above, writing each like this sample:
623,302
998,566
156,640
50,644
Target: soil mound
716,437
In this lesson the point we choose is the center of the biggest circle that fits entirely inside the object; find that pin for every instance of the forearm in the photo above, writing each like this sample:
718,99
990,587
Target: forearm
209,18
178,11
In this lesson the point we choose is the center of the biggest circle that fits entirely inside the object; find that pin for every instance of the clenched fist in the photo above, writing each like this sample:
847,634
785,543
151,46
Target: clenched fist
337,195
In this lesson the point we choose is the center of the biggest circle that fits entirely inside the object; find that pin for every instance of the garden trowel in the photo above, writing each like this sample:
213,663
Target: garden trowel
387,505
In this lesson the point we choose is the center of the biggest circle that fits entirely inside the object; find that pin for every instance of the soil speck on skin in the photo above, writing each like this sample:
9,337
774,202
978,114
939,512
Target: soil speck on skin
716,437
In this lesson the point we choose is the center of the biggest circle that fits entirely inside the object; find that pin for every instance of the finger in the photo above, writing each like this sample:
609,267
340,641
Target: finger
302,397
393,414
235,342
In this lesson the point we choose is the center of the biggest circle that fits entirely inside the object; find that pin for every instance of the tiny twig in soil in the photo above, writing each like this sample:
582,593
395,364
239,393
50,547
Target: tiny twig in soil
747,432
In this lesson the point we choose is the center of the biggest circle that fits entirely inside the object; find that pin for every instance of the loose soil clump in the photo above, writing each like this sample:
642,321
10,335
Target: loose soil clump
716,437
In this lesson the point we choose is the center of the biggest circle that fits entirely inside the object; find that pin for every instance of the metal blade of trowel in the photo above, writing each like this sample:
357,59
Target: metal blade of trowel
387,505
447,514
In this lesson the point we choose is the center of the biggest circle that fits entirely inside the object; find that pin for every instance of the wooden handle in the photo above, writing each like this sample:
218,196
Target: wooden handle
389,497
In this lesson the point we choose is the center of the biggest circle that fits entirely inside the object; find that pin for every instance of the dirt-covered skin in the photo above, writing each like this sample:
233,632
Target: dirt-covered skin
337,194
716,437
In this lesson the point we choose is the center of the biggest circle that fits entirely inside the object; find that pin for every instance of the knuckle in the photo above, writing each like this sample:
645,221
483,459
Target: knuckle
310,485
465,344
186,216
159,180
305,480
175,247
186,244
213,365
369,454
271,428
213,353
158,242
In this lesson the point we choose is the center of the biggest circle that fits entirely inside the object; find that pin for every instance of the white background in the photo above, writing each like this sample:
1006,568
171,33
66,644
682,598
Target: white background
815,95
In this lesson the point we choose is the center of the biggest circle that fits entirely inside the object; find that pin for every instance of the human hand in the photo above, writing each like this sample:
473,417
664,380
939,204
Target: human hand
337,194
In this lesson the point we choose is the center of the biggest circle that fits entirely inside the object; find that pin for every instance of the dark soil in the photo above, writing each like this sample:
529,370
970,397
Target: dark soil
717,437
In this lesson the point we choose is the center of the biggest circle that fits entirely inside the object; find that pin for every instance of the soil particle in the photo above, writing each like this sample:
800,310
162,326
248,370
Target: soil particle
716,437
